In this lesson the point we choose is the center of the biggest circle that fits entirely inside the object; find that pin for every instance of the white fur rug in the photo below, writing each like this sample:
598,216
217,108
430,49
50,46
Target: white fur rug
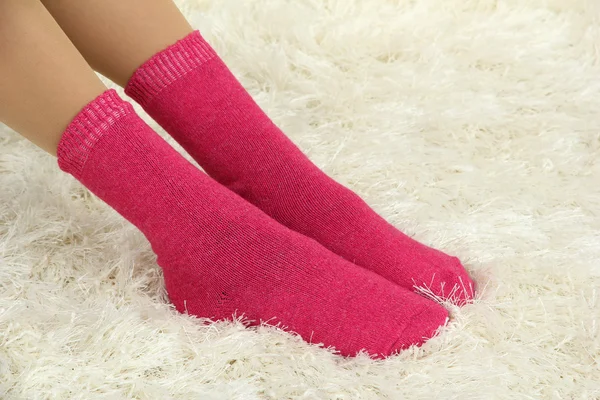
473,125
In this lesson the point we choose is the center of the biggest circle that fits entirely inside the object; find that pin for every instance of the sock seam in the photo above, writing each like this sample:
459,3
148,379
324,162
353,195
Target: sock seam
168,66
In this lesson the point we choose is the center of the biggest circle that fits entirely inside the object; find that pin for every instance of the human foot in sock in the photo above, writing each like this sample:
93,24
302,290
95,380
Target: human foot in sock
221,255
190,92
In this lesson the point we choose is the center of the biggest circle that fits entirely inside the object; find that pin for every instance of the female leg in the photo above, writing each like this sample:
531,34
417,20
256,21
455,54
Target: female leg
37,63
220,255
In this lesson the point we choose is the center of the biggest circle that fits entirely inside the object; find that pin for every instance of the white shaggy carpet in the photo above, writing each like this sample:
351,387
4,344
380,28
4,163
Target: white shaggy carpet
473,125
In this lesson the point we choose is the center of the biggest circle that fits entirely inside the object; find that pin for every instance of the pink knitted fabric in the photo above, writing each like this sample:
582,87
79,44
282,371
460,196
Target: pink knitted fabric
223,256
188,90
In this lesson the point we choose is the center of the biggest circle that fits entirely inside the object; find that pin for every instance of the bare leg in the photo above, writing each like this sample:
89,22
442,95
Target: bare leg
118,36
44,81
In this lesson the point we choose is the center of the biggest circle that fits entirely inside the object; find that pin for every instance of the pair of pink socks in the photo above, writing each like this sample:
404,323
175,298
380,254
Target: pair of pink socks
270,235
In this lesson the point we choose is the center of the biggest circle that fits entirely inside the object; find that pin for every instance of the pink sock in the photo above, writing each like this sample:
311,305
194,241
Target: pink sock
189,91
221,255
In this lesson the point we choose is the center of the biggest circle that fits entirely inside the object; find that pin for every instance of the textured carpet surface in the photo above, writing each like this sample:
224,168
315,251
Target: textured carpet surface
472,125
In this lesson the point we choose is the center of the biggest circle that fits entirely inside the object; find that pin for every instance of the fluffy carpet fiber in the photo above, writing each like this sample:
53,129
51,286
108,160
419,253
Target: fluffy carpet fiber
473,125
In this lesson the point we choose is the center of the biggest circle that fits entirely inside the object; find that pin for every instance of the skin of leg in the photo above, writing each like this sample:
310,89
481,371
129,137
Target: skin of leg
117,36
44,81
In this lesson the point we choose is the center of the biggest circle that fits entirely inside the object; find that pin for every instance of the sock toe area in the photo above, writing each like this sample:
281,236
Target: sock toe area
421,327
451,282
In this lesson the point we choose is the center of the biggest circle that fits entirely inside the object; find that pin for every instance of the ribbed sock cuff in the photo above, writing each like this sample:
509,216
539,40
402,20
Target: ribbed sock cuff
87,128
167,66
